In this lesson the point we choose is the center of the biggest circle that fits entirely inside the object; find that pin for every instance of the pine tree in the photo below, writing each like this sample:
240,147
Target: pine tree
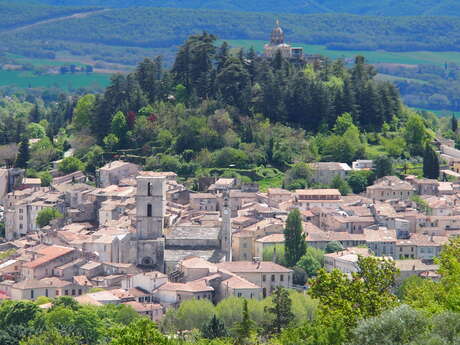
454,123
24,154
215,328
295,238
244,329
281,309
34,115
430,163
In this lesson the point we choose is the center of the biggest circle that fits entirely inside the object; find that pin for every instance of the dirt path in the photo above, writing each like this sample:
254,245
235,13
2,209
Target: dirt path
57,19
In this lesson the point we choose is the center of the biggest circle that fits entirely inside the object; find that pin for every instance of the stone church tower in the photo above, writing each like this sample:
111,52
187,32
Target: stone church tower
226,228
150,212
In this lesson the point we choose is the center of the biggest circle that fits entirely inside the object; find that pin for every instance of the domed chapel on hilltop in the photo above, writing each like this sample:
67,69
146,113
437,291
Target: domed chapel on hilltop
277,43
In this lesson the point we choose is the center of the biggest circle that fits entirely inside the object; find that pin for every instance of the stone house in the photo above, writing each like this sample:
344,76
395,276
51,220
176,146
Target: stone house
46,260
390,188
310,198
325,172
267,275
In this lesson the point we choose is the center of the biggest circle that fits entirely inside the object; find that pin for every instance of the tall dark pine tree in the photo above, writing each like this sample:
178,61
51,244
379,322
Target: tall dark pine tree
454,123
213,329
148,73
281,310
34,115
24,154
294,238
430,163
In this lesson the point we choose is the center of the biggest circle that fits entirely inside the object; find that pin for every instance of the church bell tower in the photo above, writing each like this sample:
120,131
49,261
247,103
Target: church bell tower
226,227
150,212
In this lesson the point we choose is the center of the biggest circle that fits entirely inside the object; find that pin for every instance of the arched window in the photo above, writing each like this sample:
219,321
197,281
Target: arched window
149,189
149,210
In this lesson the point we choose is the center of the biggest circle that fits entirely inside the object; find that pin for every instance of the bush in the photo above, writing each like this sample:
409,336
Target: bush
46,215
71,164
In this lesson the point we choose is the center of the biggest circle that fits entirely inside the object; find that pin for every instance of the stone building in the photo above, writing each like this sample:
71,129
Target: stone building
277,44
150,212
113,172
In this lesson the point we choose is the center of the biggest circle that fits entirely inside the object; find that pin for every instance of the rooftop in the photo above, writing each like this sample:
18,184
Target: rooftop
253,267
49,254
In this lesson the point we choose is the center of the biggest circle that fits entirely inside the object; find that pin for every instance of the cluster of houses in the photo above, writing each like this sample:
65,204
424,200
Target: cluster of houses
143,239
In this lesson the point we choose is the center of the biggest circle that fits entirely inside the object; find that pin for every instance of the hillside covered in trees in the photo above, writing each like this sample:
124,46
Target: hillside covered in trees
229,114
372,7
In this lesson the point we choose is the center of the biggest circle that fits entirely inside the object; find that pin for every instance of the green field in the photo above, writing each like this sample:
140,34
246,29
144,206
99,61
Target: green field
27,79
406,58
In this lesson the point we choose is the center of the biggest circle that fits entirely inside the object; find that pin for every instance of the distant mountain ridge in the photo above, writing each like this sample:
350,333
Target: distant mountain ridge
360,7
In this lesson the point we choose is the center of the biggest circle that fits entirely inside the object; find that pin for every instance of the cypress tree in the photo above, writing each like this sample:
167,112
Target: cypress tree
454,123
215,328
24,154
430,163
282,310
294,238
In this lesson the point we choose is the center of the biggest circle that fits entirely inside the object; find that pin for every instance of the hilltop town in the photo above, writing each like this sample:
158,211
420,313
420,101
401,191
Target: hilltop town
151,243
238,198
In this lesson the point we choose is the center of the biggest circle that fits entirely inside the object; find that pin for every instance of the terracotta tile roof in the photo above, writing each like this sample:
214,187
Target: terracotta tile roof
334,192
143,307
236,282
193,286
49,254
253,267
274,238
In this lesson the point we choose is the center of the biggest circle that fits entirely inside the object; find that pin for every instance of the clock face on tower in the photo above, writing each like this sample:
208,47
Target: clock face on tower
225,211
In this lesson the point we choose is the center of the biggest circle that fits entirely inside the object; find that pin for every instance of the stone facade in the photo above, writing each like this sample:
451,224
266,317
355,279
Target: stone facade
150,211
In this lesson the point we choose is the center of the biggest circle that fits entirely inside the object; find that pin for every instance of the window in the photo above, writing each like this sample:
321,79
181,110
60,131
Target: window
273,277
32,294
264,278
46,292
79,292
73,292
20,226
57,292
149,189
149,210
66,292
239,294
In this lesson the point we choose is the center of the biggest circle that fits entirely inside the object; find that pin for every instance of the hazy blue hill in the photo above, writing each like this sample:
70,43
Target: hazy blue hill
367,7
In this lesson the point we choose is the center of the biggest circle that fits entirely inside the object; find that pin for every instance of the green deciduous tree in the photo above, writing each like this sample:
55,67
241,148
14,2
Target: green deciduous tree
140,332
46,215
71,164
383,166
294,235
333,247
400,326
366,294
312,261
415,134
119,127
341,185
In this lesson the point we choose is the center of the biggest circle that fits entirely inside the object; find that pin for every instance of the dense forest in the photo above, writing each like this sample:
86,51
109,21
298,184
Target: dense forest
123,35
370,7
17,14
221,112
